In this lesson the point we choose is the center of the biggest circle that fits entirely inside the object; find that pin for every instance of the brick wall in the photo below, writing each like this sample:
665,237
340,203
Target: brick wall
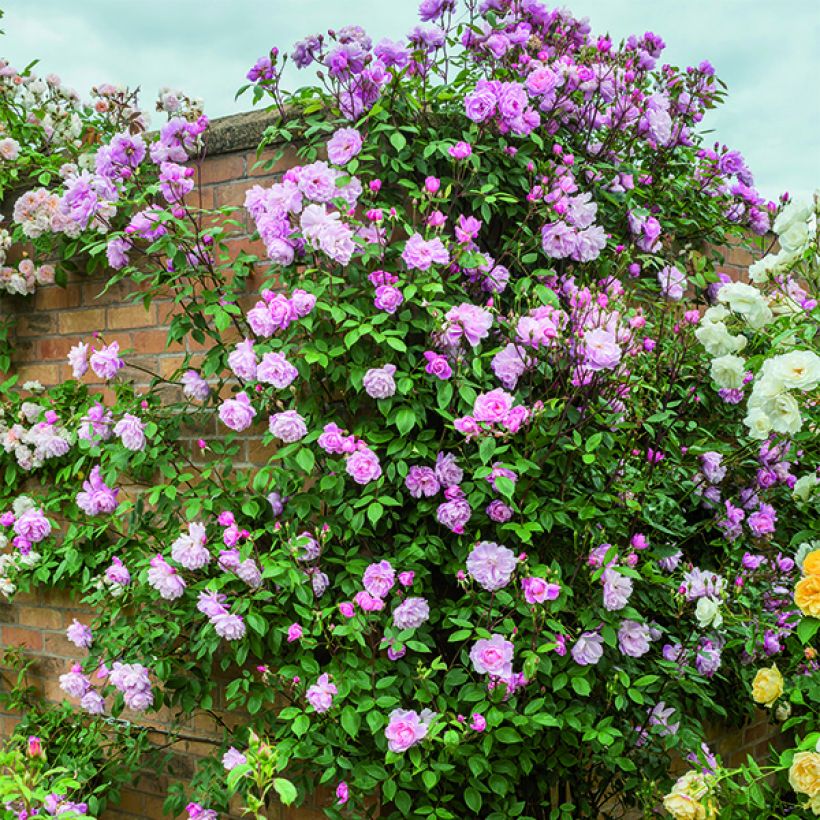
48,325
57,318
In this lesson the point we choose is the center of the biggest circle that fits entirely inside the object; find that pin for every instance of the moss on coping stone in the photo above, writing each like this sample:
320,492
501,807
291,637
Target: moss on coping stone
237,132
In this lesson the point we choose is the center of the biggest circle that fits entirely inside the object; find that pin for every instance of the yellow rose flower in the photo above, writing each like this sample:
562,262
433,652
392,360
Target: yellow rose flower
807,595
690,798
683,807
811,563
804,774
767,686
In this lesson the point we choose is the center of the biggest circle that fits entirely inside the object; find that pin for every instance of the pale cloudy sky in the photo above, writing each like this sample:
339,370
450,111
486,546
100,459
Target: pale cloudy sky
765,50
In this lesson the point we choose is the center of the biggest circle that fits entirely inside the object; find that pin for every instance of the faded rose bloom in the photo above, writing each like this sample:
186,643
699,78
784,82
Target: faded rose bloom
491,565
378,382
288,426
411,613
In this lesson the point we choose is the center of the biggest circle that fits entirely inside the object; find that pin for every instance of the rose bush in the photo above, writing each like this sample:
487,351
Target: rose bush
538,500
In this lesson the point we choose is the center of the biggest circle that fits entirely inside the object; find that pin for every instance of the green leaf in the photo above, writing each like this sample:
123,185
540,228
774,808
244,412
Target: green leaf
581,686
807,629
505,486
305,459
301,725
473,799
257,623
374,512
397,140
351,721
405,419
285,789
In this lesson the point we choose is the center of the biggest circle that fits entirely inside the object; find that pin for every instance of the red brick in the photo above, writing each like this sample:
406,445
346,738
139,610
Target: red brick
222,168
55,347
152,341
54,297
120,318
36,324
58,646
232,193
31,639
82,321
39,617
47,374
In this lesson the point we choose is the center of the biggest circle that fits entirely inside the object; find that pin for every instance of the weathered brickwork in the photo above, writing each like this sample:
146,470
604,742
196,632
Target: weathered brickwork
53,321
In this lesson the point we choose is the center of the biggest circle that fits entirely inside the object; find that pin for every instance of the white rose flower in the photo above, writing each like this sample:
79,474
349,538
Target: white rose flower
784,412
783,711
804,486
796,238
761,270
728,371
795,211
759,423
708,614
7,588
717,340
748,301
21,504
798,370
769,382
30,559
716,313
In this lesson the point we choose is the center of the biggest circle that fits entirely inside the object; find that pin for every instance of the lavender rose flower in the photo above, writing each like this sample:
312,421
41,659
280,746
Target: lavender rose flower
421,254
421,481
388,298
379,578
588,649
320,695
411,613
491,565
79,634
498,511
617,589
106,362
242,360
78,359
492,407
406,727
189,549
165,579
275,369
363,466
537,590
673,283
493,656
378,382
466,321
237,413
344,145
288,426
97,497
194,386
633,638
233,758
601,351
455,512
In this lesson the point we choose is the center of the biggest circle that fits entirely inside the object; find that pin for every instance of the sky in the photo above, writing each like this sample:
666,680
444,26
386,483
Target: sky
765,51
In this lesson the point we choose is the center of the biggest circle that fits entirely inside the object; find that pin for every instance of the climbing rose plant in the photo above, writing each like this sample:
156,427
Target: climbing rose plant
537,499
